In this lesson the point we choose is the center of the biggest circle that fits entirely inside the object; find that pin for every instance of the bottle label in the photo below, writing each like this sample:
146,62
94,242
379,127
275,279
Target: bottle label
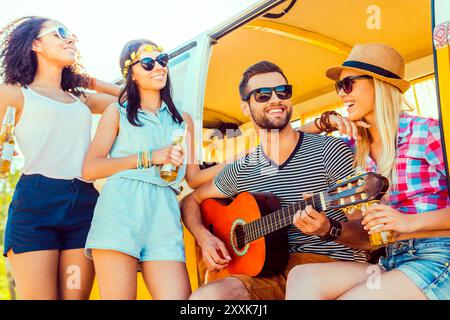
7,152
167,167
384,236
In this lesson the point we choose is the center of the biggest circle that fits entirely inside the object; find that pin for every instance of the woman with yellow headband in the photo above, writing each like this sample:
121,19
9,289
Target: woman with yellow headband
137,217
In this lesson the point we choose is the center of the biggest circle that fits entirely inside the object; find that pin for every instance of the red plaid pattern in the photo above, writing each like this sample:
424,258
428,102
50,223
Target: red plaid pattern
421,179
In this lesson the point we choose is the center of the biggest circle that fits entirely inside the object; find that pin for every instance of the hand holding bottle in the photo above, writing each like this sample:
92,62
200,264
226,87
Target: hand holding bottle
7,142
173,154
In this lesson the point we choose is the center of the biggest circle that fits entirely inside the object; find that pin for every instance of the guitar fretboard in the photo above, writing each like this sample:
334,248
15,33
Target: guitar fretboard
279,219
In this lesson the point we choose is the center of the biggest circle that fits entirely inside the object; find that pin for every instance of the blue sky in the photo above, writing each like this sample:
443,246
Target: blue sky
104,26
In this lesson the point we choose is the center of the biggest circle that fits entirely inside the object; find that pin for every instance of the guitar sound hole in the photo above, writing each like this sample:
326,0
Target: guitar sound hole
240,237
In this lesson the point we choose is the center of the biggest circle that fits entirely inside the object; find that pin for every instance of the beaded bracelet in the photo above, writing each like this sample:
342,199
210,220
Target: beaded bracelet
148,158
324,121
140,164
144,160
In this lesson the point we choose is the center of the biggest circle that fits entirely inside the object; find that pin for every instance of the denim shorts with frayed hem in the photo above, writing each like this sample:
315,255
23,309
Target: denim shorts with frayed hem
426,262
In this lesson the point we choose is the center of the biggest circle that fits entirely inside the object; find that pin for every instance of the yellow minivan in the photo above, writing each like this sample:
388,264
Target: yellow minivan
303,37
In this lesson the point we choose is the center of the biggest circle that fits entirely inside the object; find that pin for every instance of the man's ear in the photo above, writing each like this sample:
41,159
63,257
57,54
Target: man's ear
36,46
245,107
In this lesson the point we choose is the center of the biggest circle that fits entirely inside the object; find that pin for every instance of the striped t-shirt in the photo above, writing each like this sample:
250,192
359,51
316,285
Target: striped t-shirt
316,163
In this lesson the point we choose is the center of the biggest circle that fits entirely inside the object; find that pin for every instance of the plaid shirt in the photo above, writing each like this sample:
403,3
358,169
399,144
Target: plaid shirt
421,183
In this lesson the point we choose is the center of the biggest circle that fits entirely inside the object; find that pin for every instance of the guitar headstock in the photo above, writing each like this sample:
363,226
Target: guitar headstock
350,193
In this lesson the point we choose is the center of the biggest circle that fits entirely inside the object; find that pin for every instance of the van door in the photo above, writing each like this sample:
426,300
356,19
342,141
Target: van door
441,37
188,66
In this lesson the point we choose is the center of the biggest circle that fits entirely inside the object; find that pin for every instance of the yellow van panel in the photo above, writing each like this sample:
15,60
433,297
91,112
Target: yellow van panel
441,42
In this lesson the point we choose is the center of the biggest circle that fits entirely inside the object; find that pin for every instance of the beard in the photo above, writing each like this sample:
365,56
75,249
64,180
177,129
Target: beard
263,122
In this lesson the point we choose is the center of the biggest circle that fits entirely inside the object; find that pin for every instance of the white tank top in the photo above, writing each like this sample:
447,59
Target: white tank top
53,136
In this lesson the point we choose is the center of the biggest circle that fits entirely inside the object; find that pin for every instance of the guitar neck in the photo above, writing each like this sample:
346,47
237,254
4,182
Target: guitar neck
280,219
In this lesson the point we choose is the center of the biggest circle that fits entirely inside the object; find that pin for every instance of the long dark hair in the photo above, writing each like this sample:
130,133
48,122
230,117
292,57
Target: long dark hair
18,62
129,97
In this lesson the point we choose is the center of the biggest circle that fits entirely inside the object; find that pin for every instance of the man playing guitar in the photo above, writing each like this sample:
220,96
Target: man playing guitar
288,164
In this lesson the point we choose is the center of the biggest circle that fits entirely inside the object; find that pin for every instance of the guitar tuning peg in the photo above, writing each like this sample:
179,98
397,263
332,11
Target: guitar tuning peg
364,196
351,210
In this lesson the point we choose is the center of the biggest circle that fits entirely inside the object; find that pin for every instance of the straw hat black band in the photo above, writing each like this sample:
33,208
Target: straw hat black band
377,60
370,68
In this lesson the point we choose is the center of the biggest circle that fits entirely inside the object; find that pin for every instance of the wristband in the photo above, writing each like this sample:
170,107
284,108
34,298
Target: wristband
334,232
140,164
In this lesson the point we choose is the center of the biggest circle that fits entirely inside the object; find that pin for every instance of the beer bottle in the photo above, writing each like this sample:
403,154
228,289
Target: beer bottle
7,142
381,238
169,171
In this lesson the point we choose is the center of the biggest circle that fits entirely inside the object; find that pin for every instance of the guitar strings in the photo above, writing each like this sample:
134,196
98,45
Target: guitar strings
255,234
248,235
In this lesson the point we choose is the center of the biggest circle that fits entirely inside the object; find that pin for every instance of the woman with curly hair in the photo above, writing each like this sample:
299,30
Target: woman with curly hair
52,207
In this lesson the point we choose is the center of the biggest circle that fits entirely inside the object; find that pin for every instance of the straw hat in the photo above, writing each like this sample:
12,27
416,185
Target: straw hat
377,60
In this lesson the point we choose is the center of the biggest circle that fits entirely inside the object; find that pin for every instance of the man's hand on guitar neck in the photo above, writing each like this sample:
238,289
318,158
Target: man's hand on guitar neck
311,222
314,223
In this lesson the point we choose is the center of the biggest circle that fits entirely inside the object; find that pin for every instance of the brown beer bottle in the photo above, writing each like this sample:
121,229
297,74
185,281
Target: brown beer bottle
381,238
169,172
7,142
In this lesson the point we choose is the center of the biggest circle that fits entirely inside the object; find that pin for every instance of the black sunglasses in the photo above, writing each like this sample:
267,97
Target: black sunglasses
264,94
149,63
347,83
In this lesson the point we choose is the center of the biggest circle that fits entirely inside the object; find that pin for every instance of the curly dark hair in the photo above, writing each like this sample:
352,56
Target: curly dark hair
129,97
18,62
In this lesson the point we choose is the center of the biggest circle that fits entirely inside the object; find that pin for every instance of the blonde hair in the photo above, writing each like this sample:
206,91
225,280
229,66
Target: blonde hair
389,103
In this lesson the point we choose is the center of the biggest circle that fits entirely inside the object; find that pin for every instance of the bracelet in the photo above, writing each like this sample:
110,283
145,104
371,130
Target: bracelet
334,232
318,125
140,164
144,160
149,158
325,124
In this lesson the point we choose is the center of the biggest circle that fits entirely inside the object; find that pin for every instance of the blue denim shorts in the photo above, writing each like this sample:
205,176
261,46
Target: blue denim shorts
426,262
47,214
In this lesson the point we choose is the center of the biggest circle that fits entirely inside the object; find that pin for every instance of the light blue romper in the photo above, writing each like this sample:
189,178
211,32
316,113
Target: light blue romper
137,212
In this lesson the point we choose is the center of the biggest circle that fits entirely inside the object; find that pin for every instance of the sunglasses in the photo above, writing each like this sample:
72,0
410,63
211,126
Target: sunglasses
149,63
346,84
283,92
61,32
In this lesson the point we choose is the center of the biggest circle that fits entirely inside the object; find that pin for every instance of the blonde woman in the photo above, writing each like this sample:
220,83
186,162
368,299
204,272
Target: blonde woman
408,150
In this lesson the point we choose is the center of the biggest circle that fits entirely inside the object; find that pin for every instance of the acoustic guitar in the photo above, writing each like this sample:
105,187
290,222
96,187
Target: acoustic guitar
253,225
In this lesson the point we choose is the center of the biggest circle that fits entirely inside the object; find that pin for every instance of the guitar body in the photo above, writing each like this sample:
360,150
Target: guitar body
265,256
